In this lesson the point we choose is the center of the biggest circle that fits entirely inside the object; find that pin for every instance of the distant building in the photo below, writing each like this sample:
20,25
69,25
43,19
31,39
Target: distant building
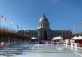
44,32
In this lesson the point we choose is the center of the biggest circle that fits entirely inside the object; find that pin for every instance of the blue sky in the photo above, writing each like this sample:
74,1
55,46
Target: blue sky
62,14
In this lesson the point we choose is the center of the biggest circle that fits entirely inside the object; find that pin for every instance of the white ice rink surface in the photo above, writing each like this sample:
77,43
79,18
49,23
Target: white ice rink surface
41,50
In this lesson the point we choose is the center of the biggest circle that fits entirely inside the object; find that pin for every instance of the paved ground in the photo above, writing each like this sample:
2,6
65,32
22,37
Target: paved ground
40,50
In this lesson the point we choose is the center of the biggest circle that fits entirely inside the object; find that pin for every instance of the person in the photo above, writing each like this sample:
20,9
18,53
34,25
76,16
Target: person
2,44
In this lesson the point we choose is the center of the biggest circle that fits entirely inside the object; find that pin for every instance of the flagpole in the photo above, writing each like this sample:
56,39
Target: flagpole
2,19
0,23
69,31
65,31
17,28
74,29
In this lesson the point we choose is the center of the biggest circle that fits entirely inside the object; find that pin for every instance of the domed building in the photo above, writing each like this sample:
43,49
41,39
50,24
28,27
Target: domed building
44,28
43,31
44,23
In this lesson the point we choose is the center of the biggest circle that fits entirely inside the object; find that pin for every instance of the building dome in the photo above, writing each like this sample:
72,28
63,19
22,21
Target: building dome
43,19
43,22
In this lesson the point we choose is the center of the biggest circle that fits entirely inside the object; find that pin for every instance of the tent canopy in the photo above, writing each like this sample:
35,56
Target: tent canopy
57,38
77,38
33,38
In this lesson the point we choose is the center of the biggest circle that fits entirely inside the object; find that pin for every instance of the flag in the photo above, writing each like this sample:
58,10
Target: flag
2,18
17,27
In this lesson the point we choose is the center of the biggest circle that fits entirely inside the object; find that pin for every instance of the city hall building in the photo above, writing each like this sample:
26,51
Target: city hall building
44,32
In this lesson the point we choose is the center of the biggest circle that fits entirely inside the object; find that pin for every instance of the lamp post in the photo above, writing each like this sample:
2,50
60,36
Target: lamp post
81,25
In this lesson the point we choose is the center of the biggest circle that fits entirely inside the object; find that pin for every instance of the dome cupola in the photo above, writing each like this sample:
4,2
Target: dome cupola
43,22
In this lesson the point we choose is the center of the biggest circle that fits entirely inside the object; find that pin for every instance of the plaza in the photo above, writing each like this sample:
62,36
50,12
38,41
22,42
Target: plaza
40,50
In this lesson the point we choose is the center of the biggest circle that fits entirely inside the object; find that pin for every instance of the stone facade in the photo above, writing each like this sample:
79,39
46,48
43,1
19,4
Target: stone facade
44,32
